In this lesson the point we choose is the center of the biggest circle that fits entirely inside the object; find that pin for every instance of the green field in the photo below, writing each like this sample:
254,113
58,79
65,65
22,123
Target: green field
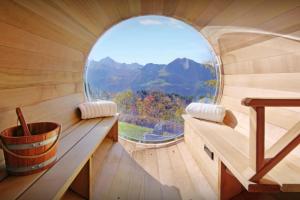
132,131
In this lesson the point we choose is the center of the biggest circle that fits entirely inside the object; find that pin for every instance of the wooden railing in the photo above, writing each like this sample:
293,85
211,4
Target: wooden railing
258,161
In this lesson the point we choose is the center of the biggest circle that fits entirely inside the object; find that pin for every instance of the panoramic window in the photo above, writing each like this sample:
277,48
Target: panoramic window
152,67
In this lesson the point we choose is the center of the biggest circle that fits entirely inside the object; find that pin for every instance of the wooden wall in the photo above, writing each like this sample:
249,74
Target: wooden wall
263,61
41,66
44,44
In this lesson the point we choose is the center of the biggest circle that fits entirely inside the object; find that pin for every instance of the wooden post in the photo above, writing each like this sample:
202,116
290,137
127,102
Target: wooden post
257,138
229,186
81,184
114,132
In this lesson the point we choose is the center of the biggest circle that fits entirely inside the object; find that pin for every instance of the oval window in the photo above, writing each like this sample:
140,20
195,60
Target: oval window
152,67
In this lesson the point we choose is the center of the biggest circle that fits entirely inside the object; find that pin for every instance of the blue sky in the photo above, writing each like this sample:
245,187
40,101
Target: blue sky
151,39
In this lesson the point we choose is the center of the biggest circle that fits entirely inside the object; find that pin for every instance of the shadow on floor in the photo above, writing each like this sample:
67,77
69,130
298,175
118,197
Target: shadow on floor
121,175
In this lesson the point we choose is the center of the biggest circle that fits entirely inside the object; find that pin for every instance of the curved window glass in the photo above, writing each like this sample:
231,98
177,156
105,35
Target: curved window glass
152,67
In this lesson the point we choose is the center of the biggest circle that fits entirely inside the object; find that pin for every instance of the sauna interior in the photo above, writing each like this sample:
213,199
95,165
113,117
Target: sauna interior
256,154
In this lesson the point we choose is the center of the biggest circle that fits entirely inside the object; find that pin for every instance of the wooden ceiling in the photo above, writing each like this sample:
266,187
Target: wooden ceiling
227,24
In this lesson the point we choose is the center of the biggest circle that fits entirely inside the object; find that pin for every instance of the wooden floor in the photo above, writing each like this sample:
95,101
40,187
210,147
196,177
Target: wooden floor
131,171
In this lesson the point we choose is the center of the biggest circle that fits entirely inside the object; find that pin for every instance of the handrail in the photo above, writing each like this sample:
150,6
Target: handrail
271,102
259,163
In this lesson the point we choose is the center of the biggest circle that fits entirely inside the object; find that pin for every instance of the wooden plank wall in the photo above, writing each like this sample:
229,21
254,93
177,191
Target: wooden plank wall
44,44
259,45
263,63
37,72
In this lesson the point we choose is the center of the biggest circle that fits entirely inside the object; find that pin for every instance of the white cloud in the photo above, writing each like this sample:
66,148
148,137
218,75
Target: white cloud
167,22
175,23
150,22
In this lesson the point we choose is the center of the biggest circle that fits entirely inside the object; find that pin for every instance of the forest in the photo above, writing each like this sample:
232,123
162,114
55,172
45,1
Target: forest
160,112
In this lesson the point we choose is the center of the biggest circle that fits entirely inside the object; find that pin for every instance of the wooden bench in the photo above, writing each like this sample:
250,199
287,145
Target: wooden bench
226,158
73,169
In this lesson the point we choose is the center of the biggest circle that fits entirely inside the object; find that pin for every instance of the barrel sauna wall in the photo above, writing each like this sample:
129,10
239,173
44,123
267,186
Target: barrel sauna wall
261,58
44,44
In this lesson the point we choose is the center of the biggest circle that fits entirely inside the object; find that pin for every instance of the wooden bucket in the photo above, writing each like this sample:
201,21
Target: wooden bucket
30,154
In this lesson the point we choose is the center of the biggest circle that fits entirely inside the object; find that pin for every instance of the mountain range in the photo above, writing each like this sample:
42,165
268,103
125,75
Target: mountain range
182,76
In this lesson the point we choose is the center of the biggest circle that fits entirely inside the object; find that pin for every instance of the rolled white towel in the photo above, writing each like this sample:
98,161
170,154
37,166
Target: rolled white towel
97,109
209,112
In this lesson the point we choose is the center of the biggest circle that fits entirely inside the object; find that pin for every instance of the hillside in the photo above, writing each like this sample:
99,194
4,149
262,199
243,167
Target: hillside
182,76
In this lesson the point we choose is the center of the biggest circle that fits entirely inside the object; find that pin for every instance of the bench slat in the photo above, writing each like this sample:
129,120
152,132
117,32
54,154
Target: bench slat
53,184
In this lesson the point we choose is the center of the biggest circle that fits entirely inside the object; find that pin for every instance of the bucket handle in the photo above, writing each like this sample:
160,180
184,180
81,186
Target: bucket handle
35,156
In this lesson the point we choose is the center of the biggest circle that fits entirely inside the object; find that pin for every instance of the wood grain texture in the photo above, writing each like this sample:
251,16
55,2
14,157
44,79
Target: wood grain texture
284,63
263,49
271,163
196,146
61,178
35,61
44,44
16,78
57,35
81,184
19,16
271,102
14,37
195,8
279,81
70,195
10,98
232,149
284,118
62,110
229,186
67,142
94,19
38,70
134,172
